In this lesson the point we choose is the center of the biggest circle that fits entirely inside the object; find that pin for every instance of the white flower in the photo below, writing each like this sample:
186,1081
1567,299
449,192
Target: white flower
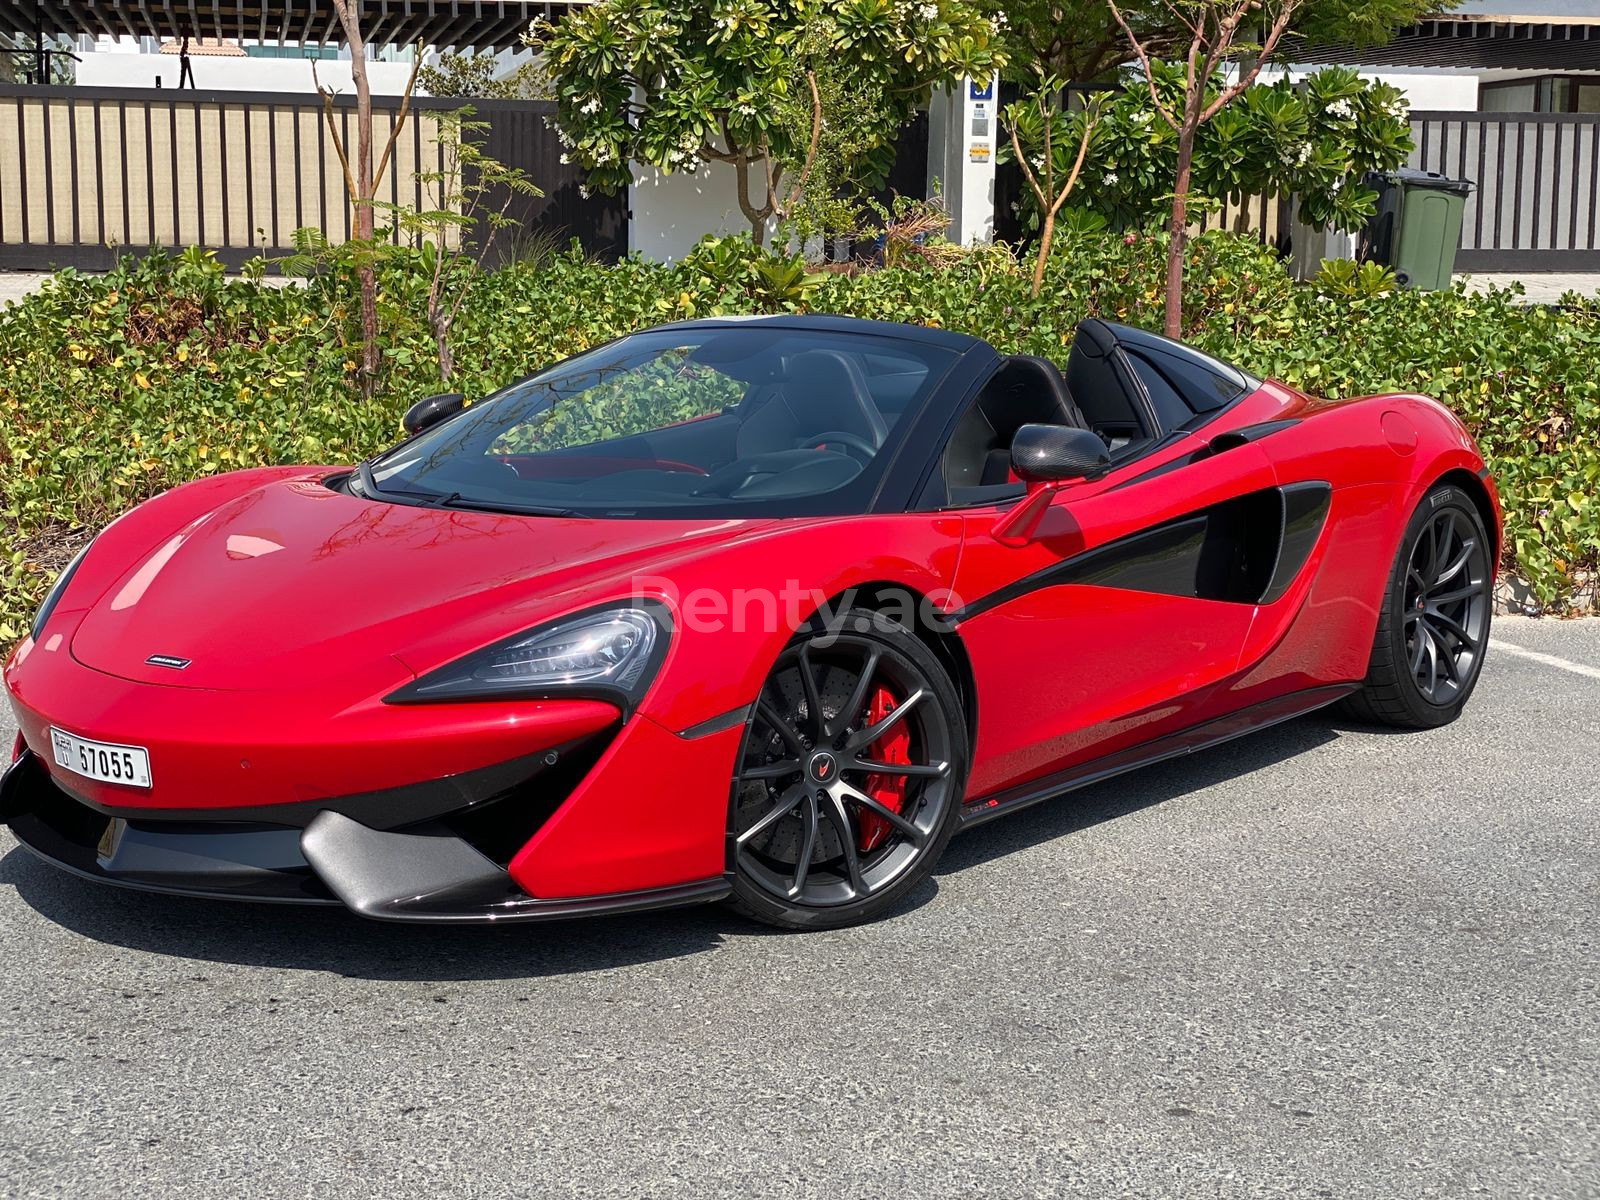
583,191
592,106
999,21
1141,118
1111,178
1038,162
1342,109
929,12
565,159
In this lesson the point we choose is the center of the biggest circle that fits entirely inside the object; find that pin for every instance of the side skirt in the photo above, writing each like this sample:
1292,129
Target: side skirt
1173,745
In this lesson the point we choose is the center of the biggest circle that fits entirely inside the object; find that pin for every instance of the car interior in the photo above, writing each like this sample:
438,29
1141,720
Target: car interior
756,415
1130,387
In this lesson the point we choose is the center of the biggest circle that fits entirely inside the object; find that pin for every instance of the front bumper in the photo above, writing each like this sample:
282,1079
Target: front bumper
432,868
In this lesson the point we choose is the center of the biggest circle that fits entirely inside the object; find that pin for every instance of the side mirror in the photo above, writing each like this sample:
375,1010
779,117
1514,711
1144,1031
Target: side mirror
427,413
1056,453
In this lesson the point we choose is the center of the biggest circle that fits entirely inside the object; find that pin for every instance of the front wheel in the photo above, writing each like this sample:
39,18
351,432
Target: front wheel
850,778
1434,627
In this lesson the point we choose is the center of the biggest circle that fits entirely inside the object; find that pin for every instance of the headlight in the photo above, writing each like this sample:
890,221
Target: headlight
53,596
609,653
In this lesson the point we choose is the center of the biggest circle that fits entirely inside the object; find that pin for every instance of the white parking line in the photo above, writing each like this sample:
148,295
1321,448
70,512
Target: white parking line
1549,660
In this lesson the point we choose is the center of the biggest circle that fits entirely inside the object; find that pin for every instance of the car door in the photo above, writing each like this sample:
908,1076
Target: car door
1113,622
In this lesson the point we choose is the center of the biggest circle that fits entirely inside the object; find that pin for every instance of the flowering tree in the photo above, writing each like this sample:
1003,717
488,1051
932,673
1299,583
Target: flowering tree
772,87
1241,35
1314,141
1048,130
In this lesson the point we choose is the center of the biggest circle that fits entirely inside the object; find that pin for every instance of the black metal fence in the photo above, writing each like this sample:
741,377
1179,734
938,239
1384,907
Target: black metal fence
88,173
1536,206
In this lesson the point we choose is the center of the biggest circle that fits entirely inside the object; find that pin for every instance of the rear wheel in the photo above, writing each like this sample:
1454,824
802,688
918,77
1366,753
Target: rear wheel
1434,627
850,778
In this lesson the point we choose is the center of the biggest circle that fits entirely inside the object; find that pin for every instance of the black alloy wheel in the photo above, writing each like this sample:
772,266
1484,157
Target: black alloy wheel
850,778
1434,628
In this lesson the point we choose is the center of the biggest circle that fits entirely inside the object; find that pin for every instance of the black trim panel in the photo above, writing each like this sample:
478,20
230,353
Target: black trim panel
1186,741
1230,439
1305,513
389,808
424,876
731,719
1225,552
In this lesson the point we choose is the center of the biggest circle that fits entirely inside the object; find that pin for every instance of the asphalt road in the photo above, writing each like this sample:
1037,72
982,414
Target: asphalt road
1321,961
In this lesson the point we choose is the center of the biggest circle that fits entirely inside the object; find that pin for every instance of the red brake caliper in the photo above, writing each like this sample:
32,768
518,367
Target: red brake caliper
887,790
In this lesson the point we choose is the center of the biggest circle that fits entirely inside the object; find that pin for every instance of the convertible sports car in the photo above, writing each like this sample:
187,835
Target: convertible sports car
763,609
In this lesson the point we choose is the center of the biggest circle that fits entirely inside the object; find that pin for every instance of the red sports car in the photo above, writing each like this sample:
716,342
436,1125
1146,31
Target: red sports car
761,609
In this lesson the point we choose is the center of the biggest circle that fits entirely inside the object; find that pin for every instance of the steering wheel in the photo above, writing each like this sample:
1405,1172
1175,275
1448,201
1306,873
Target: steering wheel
837,437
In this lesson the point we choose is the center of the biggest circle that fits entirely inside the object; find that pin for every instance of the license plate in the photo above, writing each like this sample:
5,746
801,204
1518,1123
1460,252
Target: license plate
105,761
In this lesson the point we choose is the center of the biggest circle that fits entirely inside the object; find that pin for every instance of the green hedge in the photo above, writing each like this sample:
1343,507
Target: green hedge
115,387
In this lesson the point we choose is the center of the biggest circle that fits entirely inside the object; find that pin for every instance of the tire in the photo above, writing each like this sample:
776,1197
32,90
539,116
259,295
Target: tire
1434,626
818,839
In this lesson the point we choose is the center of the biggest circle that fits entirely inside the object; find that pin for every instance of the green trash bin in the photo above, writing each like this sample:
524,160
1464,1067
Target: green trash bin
1417,228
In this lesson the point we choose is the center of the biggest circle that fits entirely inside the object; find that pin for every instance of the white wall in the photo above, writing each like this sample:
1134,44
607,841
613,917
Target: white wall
116,69
673,212
1431,88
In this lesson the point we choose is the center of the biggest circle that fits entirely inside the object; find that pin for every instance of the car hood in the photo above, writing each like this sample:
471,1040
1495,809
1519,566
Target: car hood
291,584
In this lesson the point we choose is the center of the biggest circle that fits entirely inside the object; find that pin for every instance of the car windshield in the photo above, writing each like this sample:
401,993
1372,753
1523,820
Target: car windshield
743,418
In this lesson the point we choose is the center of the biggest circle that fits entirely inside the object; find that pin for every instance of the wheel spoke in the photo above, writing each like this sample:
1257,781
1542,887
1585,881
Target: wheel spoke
899,821
936,770
839,816
1446,657
1433,658
1456,564
777,770
1453,597
808,682
808,846
858,697
1440,621
1415,577
1418,654
867,736
786,731
772,816
1433,550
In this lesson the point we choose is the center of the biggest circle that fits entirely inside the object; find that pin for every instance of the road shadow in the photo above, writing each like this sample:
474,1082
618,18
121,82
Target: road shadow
1143,788
333,940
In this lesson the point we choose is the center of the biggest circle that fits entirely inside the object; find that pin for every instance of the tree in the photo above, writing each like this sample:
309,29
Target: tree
1215,32
474,75
1075,40
361,178
1314,140
20,54
677,84
1081,41
1046,130
469,193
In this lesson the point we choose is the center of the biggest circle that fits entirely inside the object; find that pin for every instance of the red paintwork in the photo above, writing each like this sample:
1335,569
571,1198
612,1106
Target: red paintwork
301,608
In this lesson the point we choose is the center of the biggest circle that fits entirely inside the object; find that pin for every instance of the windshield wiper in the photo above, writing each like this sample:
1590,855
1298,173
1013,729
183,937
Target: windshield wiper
369,485
505,506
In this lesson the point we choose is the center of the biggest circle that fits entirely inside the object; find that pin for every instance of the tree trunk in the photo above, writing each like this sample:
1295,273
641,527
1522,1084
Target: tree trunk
440,322
756,216
1046,233
1179,228
363,200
